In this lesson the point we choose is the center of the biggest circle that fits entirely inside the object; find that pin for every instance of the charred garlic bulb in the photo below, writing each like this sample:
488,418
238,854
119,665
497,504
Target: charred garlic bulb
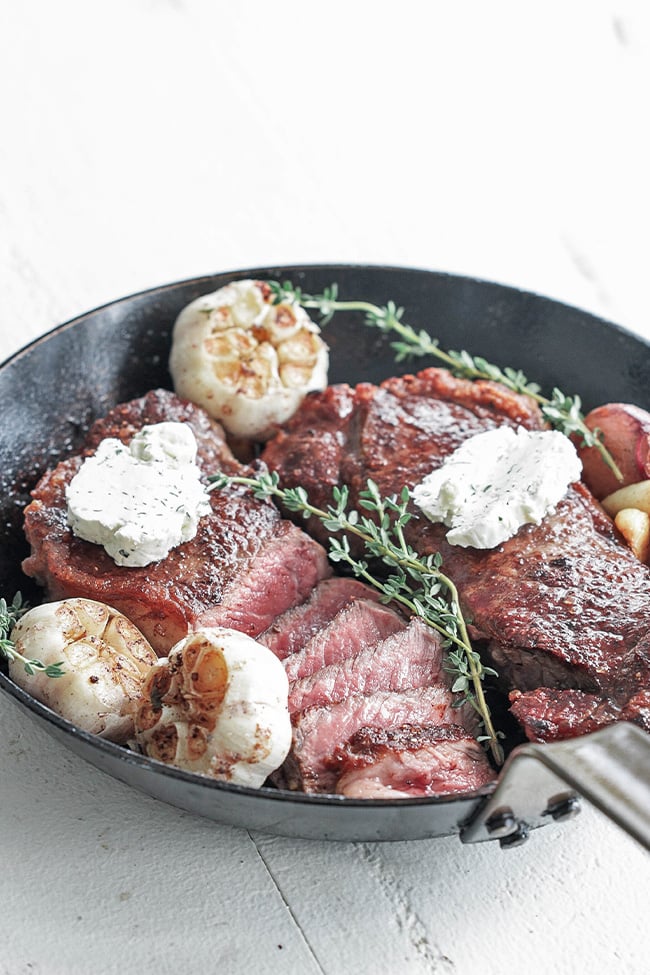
218,706
246,361
104,658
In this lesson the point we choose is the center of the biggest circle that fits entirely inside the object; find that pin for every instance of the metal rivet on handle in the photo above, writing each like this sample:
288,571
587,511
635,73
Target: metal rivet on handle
562,809
502,824
519,836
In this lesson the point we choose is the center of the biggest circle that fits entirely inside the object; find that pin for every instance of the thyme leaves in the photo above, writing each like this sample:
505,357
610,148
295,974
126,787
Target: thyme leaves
10,613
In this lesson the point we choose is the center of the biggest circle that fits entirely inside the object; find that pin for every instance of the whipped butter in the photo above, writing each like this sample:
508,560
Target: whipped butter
497,481
139,500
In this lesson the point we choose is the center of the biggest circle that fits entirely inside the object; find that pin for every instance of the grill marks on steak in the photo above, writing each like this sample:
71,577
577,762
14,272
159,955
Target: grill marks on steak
244,566
563,604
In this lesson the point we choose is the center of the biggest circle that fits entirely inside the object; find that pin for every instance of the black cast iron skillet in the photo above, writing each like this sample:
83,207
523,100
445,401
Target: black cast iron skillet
53,389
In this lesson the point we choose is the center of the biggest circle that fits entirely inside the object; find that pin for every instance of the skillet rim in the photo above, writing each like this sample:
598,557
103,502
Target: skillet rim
268,272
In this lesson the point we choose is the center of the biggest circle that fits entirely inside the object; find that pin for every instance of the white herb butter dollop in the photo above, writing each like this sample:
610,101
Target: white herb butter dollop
496,482
142,499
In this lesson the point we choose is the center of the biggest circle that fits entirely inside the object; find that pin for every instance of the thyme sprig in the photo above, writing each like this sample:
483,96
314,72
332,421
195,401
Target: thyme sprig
562,412
415,582
9,616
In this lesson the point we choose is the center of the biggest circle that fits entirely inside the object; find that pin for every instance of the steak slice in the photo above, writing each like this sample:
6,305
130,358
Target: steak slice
411,761
562,604
280,574
292,630
361,624
312,764
244,566
411,657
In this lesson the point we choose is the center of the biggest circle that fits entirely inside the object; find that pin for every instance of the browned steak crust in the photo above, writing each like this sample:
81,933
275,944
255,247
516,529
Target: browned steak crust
549,714
244,566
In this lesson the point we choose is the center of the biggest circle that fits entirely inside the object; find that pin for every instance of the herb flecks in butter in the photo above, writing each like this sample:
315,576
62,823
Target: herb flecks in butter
496,482
138,501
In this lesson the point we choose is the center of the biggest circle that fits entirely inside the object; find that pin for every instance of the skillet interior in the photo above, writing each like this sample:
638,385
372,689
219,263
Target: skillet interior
51,390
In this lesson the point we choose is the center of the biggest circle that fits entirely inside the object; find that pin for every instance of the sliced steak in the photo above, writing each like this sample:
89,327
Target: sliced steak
318,732
292,630
244,566
411,657
562,604
279,575
360,624
411,761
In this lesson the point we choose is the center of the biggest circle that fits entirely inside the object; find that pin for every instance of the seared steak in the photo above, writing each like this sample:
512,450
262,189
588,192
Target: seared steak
161,406
563,604
411,761
637,709
368,668
347,668
244,567
411,657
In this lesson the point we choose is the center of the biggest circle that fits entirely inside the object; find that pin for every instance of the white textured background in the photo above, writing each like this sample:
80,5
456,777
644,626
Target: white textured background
146,141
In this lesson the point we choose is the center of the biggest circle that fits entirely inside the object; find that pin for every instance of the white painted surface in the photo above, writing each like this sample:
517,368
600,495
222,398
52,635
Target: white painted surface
147,141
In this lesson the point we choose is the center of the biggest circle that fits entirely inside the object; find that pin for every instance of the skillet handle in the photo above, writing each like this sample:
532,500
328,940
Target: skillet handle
610,768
